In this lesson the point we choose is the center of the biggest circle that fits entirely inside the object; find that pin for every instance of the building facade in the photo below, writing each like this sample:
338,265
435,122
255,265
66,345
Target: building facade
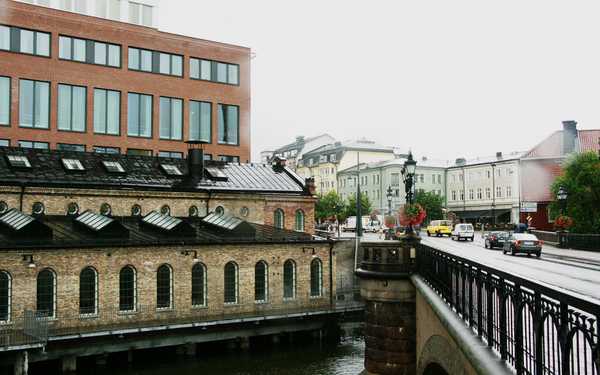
84,83
294,151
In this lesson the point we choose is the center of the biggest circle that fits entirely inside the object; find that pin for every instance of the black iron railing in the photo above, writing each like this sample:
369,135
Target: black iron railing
533,328
584,241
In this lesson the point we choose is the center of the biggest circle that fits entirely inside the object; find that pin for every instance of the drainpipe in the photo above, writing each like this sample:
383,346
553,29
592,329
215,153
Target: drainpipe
331,304
21,196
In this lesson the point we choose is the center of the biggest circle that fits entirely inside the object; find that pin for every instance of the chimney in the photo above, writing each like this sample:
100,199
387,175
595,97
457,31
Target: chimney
279,164
499,155
310,185
569,135
195,162
461,161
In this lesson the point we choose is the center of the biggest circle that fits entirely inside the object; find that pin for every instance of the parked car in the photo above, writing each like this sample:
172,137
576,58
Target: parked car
439,228
523,243
464,230
495,239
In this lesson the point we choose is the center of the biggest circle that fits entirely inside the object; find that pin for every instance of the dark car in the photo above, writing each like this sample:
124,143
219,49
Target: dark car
495,239
523,243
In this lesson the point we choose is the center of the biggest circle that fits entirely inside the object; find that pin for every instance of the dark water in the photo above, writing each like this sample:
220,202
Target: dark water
344,357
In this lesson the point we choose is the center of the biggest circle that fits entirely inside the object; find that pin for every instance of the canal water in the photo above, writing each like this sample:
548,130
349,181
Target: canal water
306,356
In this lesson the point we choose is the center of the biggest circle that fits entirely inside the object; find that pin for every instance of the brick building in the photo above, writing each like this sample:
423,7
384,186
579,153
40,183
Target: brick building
77,82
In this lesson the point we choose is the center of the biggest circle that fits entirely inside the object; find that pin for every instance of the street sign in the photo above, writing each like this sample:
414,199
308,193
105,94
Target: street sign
528,206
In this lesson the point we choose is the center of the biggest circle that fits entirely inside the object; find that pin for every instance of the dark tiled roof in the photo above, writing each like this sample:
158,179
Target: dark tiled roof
65,233
142,172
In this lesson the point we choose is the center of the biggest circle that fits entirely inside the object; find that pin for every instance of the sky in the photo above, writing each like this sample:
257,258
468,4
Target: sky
446,79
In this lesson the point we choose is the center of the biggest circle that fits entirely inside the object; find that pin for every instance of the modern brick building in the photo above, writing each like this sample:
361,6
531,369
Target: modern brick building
85,83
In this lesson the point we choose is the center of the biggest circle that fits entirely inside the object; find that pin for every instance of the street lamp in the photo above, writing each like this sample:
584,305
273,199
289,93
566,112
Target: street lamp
562,195
408,173
389,196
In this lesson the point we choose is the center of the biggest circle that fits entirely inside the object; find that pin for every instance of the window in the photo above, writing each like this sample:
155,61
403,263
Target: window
229,158
165,210
113,166
278,218
289,279
219,210
462,195
36,145
498,192
155,62
127,289
479,193
139,115
34,104
489,174
199,285
261,281
4,143
171,118
46,293
139,152
107,112
140,14
170,154
136,210
395,179
488,193
4,101
439,178
66,5
106,150
5,296
299,222
20,40
89,51
228,124
316,278
508,192
71,108
471,194
214,71
200,121
108,9
70,147
230,280
88,291
164,287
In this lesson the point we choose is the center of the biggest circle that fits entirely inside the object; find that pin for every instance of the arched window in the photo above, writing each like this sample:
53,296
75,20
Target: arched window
46,293
278,218
261,282
164,287
230,278
88,291
289,279
219,210
199,285
316,278
127,289
5,296
299,222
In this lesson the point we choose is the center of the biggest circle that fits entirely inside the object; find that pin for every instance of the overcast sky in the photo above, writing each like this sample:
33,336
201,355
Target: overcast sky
445,78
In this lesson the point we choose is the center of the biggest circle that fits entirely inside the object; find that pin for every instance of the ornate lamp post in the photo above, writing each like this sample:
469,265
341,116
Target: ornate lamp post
389,195
408,174
561,195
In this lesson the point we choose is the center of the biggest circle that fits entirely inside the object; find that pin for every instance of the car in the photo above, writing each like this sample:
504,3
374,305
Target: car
495,239
523,243
464,230
439,228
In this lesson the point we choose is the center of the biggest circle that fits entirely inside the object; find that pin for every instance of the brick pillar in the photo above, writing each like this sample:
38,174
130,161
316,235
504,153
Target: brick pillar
21,366
390,296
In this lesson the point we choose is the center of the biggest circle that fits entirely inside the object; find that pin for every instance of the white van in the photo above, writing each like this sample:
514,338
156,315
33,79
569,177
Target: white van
464,230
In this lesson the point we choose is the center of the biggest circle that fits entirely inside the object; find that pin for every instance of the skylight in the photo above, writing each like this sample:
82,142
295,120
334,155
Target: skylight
216,173
223,221
15,219
93,221
171,170
73,165
113,166
18,161
161,221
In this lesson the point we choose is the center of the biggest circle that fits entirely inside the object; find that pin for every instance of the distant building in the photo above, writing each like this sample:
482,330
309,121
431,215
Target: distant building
375,178
324,162
266,156
294,151
543,163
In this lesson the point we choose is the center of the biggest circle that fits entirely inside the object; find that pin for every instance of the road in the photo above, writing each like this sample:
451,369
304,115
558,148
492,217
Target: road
572,271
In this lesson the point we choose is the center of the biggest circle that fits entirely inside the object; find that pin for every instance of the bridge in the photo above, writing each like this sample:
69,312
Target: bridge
432,312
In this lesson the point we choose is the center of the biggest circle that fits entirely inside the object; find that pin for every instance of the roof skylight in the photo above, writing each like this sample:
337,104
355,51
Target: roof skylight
18,161
216,173
161,221
73,165
94,221
171,170
113,166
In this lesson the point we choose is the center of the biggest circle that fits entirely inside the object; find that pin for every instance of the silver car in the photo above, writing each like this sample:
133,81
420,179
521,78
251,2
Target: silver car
523,243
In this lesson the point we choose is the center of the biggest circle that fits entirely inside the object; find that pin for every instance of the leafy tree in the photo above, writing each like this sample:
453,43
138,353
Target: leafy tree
329,205
581,178
365,205
432,203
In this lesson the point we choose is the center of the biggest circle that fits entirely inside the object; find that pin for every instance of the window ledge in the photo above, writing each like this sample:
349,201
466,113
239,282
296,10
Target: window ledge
164,309
88,316
265,302
199,307
289,299
127,312
231,304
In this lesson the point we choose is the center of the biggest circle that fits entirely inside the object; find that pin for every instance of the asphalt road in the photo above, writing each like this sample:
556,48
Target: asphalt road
572,271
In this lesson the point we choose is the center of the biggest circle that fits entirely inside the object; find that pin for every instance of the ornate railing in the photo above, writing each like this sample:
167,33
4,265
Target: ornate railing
533,328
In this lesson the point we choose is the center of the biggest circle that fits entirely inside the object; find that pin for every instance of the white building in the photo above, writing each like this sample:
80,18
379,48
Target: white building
294,151
139,12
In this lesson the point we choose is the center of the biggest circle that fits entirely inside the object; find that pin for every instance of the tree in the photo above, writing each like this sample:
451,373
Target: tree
365,205
329,205
432,203
581,178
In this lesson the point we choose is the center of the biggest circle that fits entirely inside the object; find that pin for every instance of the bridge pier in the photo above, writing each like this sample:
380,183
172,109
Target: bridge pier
390,330
21,366
69,364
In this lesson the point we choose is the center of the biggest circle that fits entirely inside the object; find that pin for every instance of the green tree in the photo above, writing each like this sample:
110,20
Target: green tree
365,205
581,178
432,203
329,205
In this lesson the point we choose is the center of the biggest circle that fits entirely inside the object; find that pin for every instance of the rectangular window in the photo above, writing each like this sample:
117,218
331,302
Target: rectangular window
171,118
4,101
139,115
170,154
136,151
70,147
4,38
229,158
134,13
34,104
106,150
214,71
155,62
32,144
228,124
99,53
146,15
72,108
26,41
89,51
107,112
4,143
395,180
200,121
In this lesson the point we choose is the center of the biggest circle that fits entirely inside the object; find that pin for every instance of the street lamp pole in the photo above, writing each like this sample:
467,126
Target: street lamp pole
389,198
408,173
562,195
